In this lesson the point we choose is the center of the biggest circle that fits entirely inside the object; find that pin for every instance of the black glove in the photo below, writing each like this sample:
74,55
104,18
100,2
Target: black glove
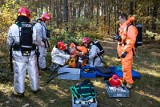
123,55
84,57
48,33
117,37
117,56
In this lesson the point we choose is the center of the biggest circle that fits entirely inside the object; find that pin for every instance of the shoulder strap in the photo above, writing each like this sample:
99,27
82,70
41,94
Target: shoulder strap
43,25
90,45
128,27
19,25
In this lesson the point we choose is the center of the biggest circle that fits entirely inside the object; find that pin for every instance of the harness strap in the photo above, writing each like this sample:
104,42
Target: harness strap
17,47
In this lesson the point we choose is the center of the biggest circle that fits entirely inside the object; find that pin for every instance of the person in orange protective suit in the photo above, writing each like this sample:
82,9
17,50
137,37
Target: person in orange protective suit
76,51
126,50
82,51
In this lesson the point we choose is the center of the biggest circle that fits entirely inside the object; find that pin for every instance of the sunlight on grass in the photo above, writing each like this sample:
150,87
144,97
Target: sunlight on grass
112,61
98,84
110,58
150,72
59,91
155,54
38,101
54,87
1,53
148,95
157,67
6,88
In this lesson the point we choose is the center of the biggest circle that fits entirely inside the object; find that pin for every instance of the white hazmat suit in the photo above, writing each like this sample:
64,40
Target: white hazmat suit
23,63
94,59
41,33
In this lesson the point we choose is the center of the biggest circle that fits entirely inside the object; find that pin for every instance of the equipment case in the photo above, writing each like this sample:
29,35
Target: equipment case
112,91
71,73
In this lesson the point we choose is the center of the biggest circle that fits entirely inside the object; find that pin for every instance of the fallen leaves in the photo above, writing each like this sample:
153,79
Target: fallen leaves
26,105
52,101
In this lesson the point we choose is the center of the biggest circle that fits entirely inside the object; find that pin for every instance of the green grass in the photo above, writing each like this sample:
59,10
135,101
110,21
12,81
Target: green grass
146,92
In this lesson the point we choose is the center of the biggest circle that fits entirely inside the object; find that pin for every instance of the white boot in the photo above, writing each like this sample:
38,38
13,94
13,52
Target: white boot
129,86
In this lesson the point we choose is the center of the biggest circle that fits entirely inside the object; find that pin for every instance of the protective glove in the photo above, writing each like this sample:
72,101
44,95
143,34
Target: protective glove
48,33
117,37
117,56
80,53
84,57
123,55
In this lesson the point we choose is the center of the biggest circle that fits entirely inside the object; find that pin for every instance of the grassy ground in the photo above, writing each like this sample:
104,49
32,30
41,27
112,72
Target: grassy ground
146,92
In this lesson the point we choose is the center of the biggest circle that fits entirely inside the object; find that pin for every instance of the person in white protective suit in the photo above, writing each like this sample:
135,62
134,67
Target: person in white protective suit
22,38
93,50
43,33
59,56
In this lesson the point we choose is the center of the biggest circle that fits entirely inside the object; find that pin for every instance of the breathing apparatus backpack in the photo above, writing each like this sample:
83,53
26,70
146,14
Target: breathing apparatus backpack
96,42
47,31
139,36
26,40
100,54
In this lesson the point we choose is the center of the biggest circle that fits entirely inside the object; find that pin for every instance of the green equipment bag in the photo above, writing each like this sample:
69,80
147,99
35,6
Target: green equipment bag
84,90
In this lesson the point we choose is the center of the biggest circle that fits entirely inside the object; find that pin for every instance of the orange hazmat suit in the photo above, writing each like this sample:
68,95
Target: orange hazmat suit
128,39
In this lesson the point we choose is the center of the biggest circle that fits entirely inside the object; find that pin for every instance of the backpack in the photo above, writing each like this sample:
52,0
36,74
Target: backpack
84,90
26,40
139,36
34,22
100,54
97,43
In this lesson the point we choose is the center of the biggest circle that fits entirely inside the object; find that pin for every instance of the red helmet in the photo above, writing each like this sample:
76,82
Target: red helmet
24,12
45,16
86,40
115,81
61,45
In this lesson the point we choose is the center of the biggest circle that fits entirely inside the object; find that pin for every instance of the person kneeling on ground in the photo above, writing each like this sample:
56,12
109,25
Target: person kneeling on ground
77,51
93,50
59,56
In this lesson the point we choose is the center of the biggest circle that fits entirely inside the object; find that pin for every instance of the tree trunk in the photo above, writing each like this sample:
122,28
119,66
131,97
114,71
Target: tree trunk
92,4
85,8
97,13
154,15
109,14
57,13
115,16
66,13
79,9
131,7
74,12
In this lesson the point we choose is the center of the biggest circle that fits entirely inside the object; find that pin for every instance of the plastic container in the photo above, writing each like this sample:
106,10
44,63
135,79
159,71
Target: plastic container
121,91
88,72
83,103
69,73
